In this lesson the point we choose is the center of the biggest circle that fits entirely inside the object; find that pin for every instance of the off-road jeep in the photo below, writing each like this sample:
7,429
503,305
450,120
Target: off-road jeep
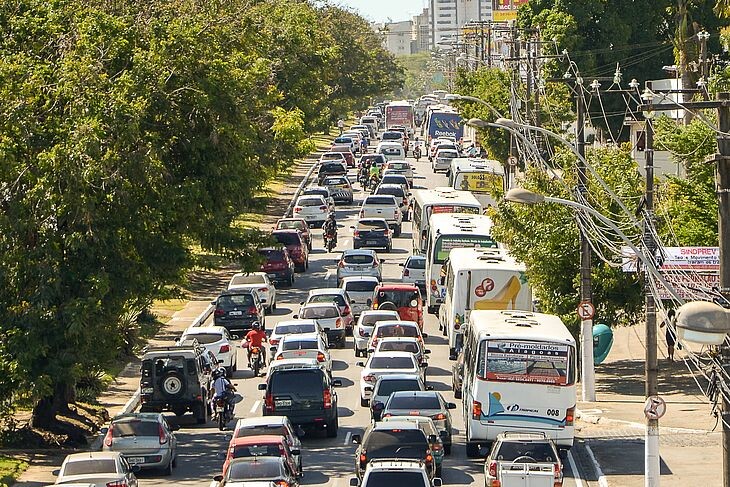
175,379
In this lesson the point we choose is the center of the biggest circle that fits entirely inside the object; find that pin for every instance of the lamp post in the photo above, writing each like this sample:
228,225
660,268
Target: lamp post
457,97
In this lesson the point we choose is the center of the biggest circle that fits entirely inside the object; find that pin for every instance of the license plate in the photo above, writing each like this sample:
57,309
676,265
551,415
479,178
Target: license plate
148,390
282,403
371,242
135,460
235,313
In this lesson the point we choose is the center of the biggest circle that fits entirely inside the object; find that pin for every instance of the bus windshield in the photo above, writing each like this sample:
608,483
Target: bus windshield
445,243
524,361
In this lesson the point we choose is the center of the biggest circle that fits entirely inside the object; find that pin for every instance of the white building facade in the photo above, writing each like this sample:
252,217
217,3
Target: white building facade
449,16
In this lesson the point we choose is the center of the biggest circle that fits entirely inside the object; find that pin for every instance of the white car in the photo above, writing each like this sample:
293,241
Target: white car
408,473
312,208
384,363
322,191
360,289
404,344
259,282
400,167
391,150
304,346
217,340
365,325
359,262
333,156
393,328
292,327
414,270
383,206
445,153
97,468
333,295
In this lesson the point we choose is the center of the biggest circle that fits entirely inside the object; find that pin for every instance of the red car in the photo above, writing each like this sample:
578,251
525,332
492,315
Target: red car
262,445
403,298
345,151
299,224
294,243
278,265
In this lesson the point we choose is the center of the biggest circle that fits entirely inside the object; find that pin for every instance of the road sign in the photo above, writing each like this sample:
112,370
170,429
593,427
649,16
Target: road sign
586,310
654,407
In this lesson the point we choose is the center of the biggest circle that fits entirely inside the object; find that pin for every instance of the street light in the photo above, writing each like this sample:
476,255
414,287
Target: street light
702,322
457,97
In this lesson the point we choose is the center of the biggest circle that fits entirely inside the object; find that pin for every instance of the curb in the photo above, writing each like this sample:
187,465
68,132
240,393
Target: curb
602,480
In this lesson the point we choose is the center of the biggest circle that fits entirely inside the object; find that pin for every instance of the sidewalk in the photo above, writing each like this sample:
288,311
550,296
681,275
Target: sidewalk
613,426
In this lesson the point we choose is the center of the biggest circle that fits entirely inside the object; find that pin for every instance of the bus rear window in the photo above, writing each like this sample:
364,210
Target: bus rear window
529,362
445,243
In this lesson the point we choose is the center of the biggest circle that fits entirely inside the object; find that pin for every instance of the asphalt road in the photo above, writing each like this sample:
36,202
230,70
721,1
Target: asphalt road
330,462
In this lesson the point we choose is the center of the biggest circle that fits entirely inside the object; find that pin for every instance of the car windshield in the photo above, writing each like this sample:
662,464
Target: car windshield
231,300
407,401
416,263
294,328
135,427
332,156
358,259
391,363
401,298
332,168
391,136
360,286
290,225
91,466
248,279
300,345
343,140
398,346
389,386
287,239
272,254
288,381
310,202
205,338
323,192
256,451
540,452
318,312
397,479
447,154
265,429
371,319
397,330
254,470
329,298
379,200
407,443
393,179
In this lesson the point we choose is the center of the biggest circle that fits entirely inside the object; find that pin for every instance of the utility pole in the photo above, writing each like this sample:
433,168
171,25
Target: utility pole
722,177
536,77
588,377
651,442
489,45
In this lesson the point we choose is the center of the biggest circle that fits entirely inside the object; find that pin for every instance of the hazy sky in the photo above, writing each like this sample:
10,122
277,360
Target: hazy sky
384,10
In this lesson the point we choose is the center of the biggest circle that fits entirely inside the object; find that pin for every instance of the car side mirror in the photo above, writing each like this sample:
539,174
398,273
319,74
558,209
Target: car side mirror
433,438
213,302
301,303
296,317
442,280
218,478
56,472
273,349
262,387
452,356
337,382
450,405
427,351
369,302
429,388
356,439
354,482
423,365
401,265
436,482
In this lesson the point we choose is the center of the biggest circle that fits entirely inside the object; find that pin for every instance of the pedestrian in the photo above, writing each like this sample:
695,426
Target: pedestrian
670,334
341,125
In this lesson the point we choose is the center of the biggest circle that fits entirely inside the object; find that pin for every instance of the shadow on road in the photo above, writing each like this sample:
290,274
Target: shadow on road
627,377
623,456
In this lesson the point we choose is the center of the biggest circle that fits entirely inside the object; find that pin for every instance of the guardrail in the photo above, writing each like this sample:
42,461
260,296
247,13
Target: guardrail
301,186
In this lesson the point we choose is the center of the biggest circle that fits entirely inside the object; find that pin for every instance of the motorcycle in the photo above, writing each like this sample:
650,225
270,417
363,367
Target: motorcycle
417,153
329,241
222,412
374,181
363,180
255,362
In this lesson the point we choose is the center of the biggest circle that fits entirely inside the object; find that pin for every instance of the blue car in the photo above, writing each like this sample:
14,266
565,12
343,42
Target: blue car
372,233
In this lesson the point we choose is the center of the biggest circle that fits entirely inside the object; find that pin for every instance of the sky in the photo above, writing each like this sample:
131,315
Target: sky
386,10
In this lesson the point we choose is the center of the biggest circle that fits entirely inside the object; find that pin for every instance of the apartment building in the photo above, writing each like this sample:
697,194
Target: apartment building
448,16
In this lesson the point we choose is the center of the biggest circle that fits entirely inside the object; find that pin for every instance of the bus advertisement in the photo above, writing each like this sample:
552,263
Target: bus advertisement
399,113
445,124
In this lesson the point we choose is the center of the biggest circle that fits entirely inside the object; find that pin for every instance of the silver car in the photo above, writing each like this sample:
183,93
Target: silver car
145,439
360,290
339,187
97,468
360,262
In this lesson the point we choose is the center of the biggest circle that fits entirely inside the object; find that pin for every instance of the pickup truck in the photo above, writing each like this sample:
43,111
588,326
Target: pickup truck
523,460
383,206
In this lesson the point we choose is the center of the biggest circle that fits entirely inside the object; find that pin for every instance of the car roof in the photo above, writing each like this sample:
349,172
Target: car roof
299,321
310,197
320,305
360,252
397,287
289,219
203,330
260,421
360,279
416,257
391,185
396,323
397,339
237,290
391,354
326,290
92,455
401,425
257,439
416,393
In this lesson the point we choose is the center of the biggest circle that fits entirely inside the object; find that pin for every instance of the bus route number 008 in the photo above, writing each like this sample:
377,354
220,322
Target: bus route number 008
553,412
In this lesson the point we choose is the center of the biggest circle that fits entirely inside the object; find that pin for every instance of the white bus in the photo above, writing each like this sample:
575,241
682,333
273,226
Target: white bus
451,231
427,202
478,278
519,375
482,177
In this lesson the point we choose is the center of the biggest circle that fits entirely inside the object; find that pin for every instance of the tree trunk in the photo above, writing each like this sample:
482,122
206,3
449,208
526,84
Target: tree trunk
45,411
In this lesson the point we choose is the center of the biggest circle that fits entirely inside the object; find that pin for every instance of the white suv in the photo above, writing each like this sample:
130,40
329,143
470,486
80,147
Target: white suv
395,472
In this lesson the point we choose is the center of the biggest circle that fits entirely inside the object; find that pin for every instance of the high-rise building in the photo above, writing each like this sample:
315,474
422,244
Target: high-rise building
422,31
448,16
399,37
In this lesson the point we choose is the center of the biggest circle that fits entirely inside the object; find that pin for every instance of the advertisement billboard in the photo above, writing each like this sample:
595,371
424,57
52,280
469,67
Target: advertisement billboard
505,10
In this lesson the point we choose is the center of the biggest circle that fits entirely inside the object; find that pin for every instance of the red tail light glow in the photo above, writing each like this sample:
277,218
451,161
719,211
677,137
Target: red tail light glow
117,483
429,458
338,323
370,379
320,357
347,311
225,349
492,469
269,402
162,435
406,272
570,416
297,209
356,233
274,341
282,483
439,417
341,264
361,331
252,310
263,289
219,312
327,399
476,410
322,207
108,439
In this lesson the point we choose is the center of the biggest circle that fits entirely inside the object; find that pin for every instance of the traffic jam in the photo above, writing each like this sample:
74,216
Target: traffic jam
385,326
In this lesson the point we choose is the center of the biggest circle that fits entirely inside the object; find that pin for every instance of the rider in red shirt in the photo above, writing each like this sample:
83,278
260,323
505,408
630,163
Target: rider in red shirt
255,338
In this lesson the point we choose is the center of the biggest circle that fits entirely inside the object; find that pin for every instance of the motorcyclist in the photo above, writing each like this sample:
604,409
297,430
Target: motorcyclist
330,227
255,338
417,151
223,388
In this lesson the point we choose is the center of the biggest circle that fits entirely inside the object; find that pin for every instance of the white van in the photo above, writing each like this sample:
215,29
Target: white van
392,151
480,278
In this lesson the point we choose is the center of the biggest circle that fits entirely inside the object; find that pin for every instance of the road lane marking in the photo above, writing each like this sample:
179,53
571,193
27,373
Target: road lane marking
348,437
602,480
574,468
255,406
328,275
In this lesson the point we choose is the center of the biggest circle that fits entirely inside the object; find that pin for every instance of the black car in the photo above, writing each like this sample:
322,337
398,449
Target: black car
332,168
372,233
258,470
303,393
394,439
237,309
423,403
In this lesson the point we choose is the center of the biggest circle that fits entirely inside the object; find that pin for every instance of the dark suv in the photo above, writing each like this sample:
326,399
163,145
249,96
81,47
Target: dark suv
278,265
237,309
394,439
174,379
330,169
305,394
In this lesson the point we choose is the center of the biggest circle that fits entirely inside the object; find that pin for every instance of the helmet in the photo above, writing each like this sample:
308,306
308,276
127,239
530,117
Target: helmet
218,373
256,325
331,216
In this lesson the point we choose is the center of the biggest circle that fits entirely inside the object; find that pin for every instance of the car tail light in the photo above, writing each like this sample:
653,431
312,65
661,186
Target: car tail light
327,398
570,416
225,349
269,402
386,232
338,323
219,312
557,473
429,458
252,310
161,433
406,273
347,310
375,340
320,357
476,410
117,483
492,469
108,439
375,264
370,379
439,417
274,341
281,483
387,415
297,209
263,289
341,264
280,357
361,331
356,233
363,460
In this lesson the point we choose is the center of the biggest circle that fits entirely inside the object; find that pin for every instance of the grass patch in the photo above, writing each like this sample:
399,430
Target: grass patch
10,470
164,309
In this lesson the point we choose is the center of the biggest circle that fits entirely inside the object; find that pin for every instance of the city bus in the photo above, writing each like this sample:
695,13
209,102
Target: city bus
446,232
519,375
479,278
427,202
483,177
443,121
